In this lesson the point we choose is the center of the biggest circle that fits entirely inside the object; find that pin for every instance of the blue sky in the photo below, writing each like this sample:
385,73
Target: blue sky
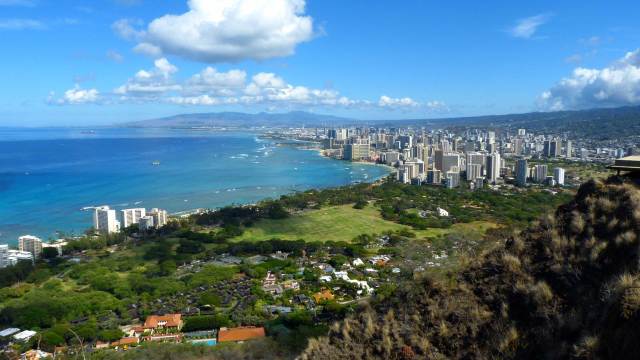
101,62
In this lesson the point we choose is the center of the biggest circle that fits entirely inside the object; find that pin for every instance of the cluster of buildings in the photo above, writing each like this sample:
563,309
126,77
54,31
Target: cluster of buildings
29,249
105,220
110,221
447,158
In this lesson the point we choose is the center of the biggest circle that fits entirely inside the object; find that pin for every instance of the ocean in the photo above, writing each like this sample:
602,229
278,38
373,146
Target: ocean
47,176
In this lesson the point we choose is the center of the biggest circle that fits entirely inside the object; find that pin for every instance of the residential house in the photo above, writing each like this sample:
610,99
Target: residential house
169,323
323,296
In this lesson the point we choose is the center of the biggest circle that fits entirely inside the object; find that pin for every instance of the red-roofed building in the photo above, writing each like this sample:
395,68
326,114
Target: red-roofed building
127,341
240,334
163,323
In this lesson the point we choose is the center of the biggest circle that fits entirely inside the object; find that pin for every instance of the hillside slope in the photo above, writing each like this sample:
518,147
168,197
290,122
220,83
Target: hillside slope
568,287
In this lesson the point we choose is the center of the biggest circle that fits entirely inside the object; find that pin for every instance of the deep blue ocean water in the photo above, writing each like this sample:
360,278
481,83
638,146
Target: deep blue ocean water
48,175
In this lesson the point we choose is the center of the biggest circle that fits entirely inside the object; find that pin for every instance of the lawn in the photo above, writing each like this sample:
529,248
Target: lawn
342,223
337,223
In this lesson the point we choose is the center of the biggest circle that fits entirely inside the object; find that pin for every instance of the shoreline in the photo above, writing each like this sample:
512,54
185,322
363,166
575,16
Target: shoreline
77,223
320,152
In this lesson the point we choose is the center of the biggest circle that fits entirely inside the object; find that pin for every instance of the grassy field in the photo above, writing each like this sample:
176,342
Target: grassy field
341,223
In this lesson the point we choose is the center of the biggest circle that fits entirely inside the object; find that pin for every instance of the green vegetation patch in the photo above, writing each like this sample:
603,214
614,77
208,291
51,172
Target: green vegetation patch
336,223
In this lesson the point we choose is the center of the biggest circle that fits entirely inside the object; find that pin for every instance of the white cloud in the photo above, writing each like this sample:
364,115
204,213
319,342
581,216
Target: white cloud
386,101
437,106
226,30
151,83
148,49
615,85
211,87
76,95
212,81
21,24
128,29
527,27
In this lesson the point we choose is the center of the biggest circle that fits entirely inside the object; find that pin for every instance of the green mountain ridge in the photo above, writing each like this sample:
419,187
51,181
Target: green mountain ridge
568,287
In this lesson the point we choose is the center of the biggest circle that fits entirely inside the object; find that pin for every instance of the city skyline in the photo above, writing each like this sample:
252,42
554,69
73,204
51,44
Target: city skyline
117,61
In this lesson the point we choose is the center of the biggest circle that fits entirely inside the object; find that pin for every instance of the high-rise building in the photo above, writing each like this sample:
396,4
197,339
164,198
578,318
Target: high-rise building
540,173
406,141
132,216
568,149
450,160
546,150
159,217
358,150
338,134
437,159
4,256
558,176
31,244
434,177
517,146
453,178
493,167
474,171
104,220
522,170
491,137
555,148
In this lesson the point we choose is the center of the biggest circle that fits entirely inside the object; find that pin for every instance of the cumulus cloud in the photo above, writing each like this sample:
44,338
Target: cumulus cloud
225,30
615,85
527,27
212,80
211,87
386,101
76,95
21,24
151,83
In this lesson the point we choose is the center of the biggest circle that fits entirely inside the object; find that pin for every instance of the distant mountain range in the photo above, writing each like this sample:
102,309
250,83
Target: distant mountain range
238,119
600,123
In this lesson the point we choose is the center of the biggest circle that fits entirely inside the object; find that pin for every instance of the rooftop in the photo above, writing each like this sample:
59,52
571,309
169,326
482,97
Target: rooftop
172,320
240,333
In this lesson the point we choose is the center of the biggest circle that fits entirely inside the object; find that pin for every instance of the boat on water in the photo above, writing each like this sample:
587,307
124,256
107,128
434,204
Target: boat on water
155,162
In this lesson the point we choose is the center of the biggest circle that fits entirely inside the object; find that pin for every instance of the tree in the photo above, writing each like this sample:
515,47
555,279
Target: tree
49,253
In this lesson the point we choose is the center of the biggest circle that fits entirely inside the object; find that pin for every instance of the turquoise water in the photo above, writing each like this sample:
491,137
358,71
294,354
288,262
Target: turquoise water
48,175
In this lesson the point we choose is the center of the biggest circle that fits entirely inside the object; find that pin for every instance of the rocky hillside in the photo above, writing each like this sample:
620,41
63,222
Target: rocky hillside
568,287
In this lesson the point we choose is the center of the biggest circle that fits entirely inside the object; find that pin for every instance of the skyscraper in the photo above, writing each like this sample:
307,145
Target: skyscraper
104,220
31,244
159,217
474,171
568,150
522,169
493,167
540,173
437,159
558,176
450,160
555,147
132,216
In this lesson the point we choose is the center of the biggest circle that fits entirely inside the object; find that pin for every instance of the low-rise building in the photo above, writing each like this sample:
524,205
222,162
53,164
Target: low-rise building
240,334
